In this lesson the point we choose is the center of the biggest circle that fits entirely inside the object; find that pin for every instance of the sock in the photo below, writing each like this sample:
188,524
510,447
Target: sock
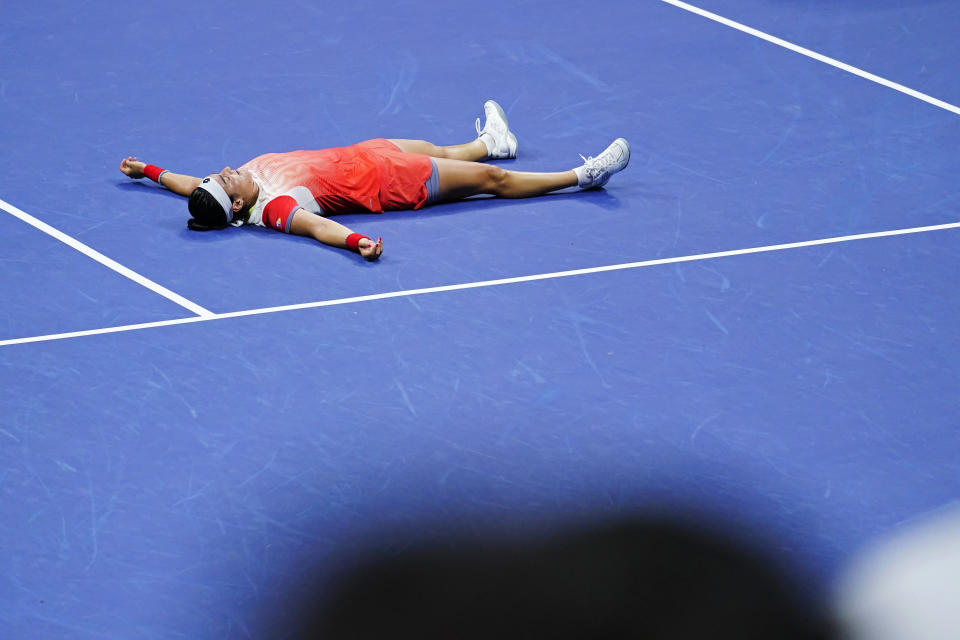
581,176
487,140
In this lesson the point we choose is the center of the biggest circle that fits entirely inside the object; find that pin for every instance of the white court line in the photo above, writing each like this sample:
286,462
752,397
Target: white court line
105,261
816,56
484,283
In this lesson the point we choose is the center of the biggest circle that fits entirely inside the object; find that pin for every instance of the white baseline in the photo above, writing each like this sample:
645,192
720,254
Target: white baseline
484,283
816,56
105,261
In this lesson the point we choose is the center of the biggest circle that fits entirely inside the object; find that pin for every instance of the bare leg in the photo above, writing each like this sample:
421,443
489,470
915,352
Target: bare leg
472,151
459,179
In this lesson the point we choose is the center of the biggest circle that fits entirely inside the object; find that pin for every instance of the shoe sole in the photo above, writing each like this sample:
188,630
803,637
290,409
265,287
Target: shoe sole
627,146
496,105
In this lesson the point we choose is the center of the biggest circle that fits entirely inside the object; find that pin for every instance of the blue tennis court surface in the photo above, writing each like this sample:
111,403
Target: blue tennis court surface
173,480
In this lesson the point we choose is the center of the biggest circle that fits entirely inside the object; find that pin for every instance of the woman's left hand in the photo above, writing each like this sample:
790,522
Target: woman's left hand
369,249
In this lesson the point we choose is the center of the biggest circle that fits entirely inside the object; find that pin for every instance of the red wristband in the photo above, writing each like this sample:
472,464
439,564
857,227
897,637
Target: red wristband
153,172
353,241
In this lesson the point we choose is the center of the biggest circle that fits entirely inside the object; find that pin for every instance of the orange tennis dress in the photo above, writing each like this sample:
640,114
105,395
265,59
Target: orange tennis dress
370,176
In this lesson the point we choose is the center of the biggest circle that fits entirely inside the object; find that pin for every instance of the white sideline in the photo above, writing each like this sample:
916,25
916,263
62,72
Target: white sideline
816,56
105,261
485,283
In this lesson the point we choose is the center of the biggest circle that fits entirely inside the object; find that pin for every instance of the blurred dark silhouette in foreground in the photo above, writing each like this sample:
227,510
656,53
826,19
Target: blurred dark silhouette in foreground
643,578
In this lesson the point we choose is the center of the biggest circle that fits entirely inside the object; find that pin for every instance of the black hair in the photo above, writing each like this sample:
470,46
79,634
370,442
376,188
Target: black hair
206,211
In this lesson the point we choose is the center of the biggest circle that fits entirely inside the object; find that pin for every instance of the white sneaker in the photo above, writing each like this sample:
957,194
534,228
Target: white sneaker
496,133
596,171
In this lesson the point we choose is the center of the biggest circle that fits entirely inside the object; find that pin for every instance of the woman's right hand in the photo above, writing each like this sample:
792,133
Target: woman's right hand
132,167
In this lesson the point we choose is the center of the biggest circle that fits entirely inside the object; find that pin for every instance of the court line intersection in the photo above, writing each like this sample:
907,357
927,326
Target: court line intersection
104,260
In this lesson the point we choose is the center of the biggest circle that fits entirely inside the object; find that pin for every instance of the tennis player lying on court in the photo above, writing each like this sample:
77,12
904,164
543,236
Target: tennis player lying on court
292,192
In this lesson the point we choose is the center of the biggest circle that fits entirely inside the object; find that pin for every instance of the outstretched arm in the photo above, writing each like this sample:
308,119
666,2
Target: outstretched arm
332,233
176,182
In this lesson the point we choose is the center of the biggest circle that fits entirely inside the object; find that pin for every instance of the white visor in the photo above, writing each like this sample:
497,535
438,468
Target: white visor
213,187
